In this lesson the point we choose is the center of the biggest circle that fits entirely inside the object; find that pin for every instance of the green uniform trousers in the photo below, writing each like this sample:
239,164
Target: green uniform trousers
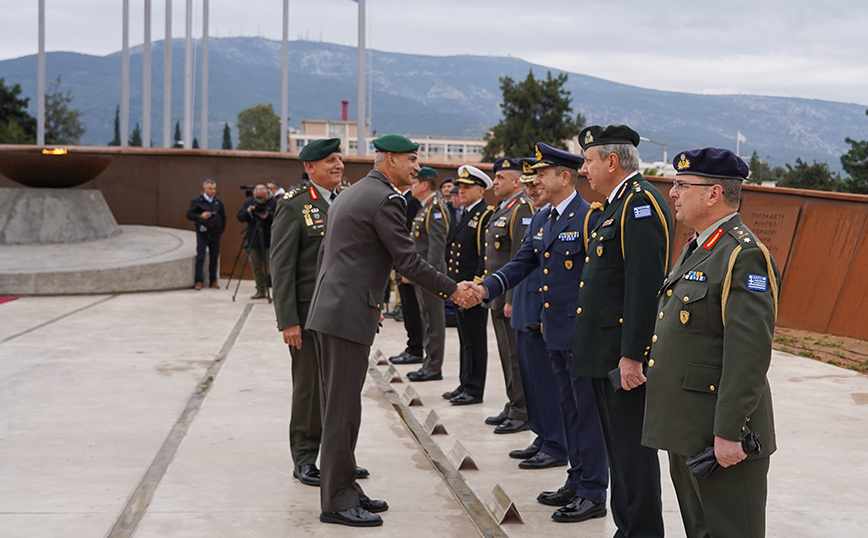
516,407
305,423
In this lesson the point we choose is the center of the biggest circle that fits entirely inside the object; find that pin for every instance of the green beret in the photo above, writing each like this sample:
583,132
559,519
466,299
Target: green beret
596,135
395,144
425,172
319,149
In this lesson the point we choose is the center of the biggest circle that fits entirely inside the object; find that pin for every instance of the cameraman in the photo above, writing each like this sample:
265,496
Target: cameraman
258,212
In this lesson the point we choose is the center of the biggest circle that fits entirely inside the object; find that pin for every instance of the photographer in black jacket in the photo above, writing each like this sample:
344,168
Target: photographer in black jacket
258,212
207,211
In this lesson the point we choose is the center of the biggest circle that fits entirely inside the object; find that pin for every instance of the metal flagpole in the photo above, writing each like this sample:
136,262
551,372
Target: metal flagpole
125,78
40,79
360,100
203,137
284,80
167,78
188,78
146,80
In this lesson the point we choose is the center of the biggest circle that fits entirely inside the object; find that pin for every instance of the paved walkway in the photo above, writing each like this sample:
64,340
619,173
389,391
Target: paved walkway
165,414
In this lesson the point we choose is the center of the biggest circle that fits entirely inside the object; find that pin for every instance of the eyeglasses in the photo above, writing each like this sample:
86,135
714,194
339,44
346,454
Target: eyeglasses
679,185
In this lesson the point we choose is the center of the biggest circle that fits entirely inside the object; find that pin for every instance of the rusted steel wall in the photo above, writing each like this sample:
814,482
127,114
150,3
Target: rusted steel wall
818,239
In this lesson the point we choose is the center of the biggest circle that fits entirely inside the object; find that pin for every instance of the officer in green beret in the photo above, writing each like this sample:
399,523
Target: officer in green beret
707,383
626,262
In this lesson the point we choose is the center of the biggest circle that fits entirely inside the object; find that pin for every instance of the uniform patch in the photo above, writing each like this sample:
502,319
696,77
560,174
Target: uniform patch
568,264
698,276
473,223
500,223
757,282
525,221
438,216
641,212
568,236
685,316
600,250
608,222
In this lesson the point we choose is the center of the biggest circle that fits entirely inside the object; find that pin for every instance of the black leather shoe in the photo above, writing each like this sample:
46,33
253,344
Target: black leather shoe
579,509
465,399
424,374
307,474
561,497
449,394
373,506
511,425
497,419
352,517
524,453
405,358
541,461
361,472
393,313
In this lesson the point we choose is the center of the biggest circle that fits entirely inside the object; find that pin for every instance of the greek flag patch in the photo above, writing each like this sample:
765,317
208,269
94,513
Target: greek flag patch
642,211
525,221
757,282
438,216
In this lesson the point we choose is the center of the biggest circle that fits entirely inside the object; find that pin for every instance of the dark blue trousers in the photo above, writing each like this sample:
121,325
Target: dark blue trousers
472,335
212,243
588,474
543,408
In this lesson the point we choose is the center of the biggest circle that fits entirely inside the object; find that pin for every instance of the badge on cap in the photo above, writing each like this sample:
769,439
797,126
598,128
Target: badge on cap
757,282
539,155
685,316
589,138
683,162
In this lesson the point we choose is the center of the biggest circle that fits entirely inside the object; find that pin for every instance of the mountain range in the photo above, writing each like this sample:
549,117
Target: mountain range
453,96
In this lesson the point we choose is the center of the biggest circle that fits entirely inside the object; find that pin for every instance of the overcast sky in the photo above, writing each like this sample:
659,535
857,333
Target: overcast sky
794,48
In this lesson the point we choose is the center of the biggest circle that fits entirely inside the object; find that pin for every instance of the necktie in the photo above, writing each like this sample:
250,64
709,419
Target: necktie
691,246
553,216
333,196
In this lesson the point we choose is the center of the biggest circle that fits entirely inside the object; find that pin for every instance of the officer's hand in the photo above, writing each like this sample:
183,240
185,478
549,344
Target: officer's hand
206,215
631,373
250,208
404,280
292,336
728,452
466,295
507,310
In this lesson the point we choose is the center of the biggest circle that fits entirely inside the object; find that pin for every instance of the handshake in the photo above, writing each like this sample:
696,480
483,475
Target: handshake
469,294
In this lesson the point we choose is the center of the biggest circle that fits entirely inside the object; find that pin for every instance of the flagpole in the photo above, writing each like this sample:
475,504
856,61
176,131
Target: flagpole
284,80
360,100
737,143
40,79
203,134
188,78
167,78
125,77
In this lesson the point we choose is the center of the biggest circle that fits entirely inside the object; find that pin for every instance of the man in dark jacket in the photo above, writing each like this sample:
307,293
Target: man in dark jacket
209,214
258,212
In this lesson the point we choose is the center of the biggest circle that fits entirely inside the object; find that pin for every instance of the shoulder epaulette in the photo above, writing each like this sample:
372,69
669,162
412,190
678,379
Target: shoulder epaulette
521,202
292,193
727,281
637,188
595,206
398,195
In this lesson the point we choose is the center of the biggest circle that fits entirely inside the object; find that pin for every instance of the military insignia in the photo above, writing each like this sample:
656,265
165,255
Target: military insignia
339,146
685,316
505,164
641,212
512,203
313,194
708,245
683,162
568,236
500,223
418,234
305,211
757,282
539,155
464,173
589,138
747,239
308,206
319,221
525,221
697,276
308,220
526,168
497,244
438,216
608,222
600,250
568,264
473,223
287,196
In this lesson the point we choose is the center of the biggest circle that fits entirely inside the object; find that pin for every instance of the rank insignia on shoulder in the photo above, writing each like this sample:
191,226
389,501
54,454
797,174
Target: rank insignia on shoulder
685,316
698,276
608,222
288,196
757,282
642,211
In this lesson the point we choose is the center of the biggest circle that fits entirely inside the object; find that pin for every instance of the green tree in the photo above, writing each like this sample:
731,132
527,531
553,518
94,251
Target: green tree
116,141
760,171
136,137
259,129
195,143
179,143
533,110
810,176
227,137
62,123
855,163
17,126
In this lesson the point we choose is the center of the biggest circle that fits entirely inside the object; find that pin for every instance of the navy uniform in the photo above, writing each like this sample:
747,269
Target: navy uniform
558,247
464,261
708,364
503,238
627,259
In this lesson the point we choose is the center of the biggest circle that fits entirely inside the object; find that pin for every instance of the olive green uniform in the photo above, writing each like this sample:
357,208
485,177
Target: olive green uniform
707,377
296,235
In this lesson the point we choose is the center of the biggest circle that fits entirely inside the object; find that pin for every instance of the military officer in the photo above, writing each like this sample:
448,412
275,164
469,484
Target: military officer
297,231
503,238
555,241
429,230
625,265
464,262
544,414
707,383
366,236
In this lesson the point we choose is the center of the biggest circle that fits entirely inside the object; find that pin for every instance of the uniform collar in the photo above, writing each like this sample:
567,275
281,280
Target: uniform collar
471,206
614,193
324,193
706,233
428,198
562,207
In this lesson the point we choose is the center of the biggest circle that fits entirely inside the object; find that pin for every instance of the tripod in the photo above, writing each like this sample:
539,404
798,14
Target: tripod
256,242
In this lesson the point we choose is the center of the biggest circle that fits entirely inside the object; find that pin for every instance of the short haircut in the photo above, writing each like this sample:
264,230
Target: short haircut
379,157
209,182
731,190
574,176
275,183
627,154
431,181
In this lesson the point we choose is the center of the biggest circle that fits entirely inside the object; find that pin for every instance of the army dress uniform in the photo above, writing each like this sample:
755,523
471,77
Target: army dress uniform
626,263
707,374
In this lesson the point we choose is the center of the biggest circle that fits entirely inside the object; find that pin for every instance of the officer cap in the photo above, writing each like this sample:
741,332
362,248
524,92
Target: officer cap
710,162
426,172
596,135
447,180
455,189
316,150
528,173
470,175
395,144
548,156
506,163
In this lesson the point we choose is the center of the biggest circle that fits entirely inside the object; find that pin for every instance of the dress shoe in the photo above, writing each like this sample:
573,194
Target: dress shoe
405,358
496,419
393,313
424,374
258,295
579,509
541,461
197,286
373,506
512,425
361,472
307,474
561,497
449,394
524,453
465,399
352,517
214,285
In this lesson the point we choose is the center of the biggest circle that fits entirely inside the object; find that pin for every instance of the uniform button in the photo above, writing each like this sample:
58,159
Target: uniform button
322,233
621,320
459,246
587,259
459,254
650,363
378,305
536,250
486,258
579,310
545,271
567,253
546,305
547,254
668,293
654,338
593,235
545,288
539,289
660,315
486,244
711,388
582,284
686,298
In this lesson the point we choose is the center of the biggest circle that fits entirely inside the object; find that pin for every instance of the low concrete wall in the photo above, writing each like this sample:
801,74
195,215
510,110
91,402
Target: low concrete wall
48,216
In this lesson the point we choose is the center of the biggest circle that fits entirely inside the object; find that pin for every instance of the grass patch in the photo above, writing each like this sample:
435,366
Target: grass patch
860,367
808,354
833,362
808,338
828,344
788,340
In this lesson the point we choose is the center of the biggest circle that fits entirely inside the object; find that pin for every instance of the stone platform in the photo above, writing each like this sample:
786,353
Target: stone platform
139,258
